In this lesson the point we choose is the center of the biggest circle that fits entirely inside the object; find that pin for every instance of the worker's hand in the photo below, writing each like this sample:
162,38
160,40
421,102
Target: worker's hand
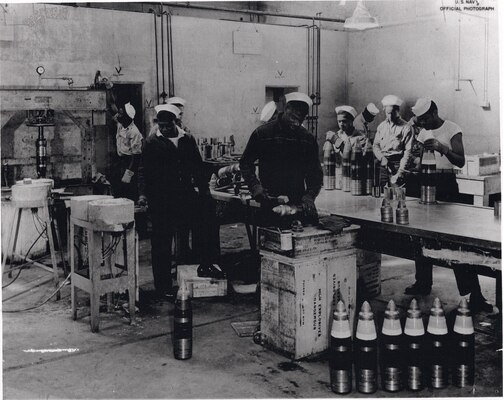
283,199
142,201
128,174
435,145
260,195
331,135
384,161
309,208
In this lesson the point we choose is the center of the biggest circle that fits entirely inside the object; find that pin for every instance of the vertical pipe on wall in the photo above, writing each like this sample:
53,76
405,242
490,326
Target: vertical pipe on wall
163,94
156,55
171,78
485,101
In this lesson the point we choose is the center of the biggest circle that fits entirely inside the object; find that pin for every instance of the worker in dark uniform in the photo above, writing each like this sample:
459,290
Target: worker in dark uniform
288,163
171,167
445,139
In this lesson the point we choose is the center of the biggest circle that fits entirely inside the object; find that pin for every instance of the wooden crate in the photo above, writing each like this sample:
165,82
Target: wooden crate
311,242
298,297
200,287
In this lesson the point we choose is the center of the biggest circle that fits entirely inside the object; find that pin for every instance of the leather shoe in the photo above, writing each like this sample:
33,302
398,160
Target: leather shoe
210,271
169,294
418,290
478,303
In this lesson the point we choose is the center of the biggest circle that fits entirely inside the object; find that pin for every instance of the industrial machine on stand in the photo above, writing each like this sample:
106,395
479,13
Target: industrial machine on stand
68,123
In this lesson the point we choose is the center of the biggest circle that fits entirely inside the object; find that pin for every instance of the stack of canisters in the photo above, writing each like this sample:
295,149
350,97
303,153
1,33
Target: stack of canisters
409,359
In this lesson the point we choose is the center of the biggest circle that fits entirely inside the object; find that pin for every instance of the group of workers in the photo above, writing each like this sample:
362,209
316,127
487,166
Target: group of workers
289,168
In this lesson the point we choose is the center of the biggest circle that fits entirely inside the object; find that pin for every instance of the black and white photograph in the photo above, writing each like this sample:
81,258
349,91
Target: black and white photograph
251,199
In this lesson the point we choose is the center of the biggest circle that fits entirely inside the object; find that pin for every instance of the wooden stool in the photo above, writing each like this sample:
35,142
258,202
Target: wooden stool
104,275
32,206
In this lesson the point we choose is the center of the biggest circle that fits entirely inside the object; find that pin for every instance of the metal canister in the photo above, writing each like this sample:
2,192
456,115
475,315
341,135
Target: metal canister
386,211
428,178
357,171
338,171
328,166
182,332
402,213
346,167
369,169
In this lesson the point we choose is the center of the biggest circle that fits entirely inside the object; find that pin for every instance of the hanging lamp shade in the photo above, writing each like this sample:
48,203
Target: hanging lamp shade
361,19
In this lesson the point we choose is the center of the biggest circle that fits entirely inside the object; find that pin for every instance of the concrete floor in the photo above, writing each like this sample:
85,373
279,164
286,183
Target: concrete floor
136,361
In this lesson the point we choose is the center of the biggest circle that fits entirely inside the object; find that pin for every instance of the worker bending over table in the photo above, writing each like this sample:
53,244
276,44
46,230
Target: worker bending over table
171,166
445,139
288,164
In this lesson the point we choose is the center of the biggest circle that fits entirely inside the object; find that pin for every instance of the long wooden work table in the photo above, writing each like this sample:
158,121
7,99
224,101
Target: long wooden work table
446,233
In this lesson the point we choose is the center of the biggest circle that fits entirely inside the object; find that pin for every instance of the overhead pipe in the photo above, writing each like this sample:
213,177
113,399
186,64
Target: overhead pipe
223,9
254,12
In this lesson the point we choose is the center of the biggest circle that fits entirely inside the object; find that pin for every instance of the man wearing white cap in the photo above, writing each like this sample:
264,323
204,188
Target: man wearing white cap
288,160
393,141
362,120
180,104
129,144
171,167
445,139
347,134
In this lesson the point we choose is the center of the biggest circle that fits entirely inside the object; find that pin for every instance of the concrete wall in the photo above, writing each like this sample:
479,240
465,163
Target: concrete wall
415,54
225,91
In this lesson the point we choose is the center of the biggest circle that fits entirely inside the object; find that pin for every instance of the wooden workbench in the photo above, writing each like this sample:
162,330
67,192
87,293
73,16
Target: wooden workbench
445,233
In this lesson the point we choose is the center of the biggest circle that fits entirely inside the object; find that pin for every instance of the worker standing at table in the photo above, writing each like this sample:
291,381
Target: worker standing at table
366,117
445,139
288,162
129,146
347,133
171,167
393,141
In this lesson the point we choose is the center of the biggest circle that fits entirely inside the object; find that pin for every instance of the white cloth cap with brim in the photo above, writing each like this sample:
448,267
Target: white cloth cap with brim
421,107
391,100
372,109
298,96
130,111
346,109
169,108
177,100
268,111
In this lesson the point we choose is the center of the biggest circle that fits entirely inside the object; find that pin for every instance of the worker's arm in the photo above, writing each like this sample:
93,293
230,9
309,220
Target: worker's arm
142,196
314,175
314,181
408,136
247,167
377,149
456,156
198,171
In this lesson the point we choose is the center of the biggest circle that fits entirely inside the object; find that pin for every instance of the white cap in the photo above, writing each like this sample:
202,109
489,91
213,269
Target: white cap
391,100
346,109
298,96
371,108
130,111
177,100
268,111
169,108
422,106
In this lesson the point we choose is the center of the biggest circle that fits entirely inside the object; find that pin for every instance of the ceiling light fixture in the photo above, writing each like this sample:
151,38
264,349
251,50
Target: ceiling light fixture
361,19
